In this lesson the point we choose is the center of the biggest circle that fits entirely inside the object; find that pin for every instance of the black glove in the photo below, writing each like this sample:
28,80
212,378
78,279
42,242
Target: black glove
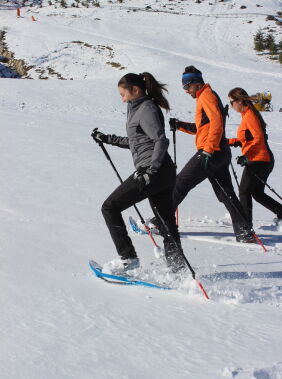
142,178
173,124
242,160
99,137
204,159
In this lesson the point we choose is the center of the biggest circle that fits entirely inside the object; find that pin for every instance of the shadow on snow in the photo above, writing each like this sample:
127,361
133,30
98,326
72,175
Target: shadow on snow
269,239
235,275
6,72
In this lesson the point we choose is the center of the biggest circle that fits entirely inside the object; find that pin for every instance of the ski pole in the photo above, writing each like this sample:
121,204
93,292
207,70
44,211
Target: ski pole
240,214
174,146
173,129
176,245
262,181
234,173
135,207
226,108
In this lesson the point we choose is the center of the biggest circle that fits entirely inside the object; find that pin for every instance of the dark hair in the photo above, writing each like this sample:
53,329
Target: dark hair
149,85
240,94
191,69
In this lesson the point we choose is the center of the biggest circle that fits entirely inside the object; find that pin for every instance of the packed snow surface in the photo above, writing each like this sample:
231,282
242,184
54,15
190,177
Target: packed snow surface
57,319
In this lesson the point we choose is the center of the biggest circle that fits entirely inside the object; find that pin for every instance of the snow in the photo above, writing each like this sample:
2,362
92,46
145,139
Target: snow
57,320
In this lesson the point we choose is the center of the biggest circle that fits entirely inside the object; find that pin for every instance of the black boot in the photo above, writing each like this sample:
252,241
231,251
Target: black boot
174,256
245,236
279,216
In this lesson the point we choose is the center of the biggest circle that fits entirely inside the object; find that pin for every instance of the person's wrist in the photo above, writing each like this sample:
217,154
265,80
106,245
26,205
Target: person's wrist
146,177
206,153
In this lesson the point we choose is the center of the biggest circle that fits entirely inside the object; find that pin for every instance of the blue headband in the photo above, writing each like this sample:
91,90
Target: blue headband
191,77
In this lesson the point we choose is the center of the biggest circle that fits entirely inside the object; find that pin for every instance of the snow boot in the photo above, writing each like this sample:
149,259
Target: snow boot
245,236
279,216
120,266
174,256
278,223
153,228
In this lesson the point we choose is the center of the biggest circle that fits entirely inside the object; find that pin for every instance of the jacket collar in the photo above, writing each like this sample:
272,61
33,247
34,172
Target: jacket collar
198,93
247,110
136,102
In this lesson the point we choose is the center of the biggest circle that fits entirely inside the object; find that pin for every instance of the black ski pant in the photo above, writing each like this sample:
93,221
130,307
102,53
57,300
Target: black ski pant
159,193
193,173
251,187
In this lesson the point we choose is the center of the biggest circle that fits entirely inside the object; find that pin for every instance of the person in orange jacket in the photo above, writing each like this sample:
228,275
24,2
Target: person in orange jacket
213,155
257,158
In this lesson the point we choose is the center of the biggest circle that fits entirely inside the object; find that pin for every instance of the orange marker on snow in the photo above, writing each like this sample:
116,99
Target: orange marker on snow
18,12
32,18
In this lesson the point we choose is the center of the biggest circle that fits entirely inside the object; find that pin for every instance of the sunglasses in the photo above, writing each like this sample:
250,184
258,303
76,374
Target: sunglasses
186,86
231,102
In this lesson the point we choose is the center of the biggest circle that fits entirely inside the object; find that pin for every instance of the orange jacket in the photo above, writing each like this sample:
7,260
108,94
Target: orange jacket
252,138
209,126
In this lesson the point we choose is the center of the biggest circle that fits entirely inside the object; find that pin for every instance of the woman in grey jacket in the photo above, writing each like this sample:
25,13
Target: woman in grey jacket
155,173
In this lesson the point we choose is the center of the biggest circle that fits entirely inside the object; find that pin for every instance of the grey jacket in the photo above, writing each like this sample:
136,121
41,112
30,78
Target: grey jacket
145,134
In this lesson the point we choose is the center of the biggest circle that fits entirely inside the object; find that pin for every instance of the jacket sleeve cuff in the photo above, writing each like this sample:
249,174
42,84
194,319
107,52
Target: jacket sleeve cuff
208,150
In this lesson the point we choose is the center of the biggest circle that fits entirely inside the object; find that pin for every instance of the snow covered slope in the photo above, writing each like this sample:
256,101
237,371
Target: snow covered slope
57,320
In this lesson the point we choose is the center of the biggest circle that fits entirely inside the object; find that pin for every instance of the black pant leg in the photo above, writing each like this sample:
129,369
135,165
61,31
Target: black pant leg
122,198
224,190
192,174
163,202
252,186
245,194
160,196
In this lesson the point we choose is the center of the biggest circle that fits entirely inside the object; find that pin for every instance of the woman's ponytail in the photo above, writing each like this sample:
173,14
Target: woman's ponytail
156,90
149,85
